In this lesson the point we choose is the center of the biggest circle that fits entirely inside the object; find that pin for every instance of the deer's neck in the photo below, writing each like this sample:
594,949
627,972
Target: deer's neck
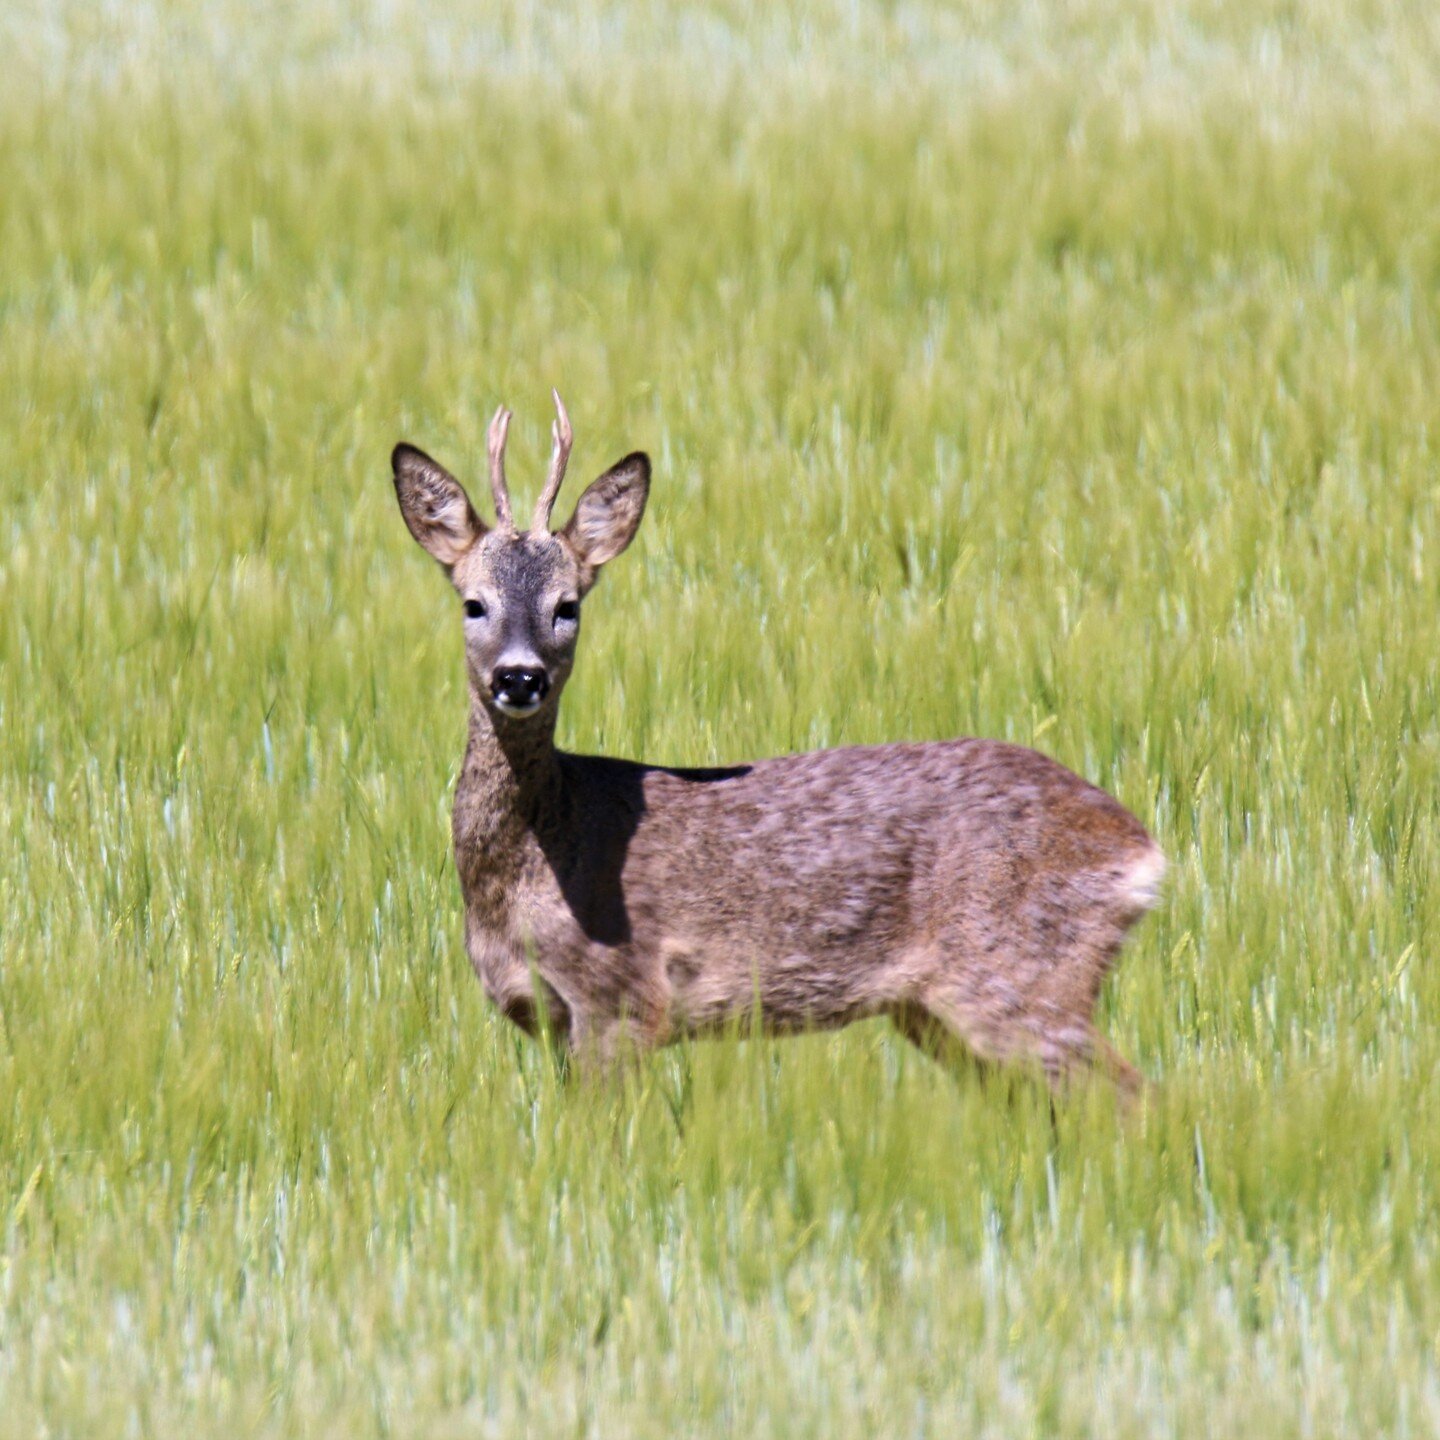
511,786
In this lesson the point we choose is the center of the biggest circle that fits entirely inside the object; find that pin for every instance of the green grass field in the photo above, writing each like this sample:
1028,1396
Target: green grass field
1062,373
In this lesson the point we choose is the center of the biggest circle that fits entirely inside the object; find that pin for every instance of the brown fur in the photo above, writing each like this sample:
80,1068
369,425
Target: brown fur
976,893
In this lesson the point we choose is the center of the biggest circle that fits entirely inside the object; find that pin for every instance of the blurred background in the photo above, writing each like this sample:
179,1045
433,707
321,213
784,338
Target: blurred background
1057,372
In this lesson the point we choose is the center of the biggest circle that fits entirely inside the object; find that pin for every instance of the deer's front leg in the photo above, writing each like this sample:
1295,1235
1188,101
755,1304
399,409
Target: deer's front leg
601,1047
538,1012
526,1000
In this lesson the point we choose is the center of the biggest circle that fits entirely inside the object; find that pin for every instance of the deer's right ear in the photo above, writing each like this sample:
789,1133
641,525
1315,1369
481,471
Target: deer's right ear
435,505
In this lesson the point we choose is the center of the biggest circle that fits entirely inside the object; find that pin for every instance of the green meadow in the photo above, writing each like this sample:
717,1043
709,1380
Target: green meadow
1066,373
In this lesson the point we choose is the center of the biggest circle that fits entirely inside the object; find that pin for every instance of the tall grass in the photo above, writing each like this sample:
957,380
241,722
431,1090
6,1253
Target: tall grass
1068,374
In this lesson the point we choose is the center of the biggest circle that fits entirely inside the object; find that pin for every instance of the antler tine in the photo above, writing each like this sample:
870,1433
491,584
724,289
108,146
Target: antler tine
499,429
564,437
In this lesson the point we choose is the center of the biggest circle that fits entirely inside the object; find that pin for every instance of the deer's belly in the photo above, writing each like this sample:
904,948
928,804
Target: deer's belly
711,985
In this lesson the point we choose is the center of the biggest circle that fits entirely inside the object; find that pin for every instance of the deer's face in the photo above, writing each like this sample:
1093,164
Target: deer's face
520,590
521,598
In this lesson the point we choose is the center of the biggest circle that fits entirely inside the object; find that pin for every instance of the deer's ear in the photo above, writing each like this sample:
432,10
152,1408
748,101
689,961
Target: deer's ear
435,505
609,512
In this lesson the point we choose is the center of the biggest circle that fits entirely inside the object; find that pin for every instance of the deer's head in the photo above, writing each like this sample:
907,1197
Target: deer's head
520,589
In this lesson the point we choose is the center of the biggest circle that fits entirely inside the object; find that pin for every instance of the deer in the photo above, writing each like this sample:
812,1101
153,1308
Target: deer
976,893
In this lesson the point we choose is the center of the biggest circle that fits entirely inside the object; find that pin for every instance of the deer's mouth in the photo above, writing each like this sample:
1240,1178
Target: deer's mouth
517,709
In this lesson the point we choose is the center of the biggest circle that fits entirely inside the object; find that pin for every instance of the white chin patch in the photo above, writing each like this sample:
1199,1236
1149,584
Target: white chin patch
519,712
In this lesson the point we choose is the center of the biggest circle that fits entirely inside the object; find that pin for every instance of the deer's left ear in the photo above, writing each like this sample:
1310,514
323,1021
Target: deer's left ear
609,512
435,505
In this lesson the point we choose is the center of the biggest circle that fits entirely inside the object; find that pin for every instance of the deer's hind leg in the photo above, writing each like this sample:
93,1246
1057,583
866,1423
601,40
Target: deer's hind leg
958,1033
937,1041
1015,1004
1071,1046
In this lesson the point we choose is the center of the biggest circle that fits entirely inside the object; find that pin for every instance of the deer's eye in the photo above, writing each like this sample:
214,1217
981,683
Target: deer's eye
474,609
567,610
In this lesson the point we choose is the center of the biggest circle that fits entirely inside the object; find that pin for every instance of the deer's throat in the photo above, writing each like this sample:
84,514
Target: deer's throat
511,766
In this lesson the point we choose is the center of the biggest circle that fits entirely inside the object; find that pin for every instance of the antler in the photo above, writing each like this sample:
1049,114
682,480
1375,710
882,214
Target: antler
499,428
559,457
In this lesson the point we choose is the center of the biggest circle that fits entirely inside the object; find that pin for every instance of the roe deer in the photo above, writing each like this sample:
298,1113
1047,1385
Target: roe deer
977,893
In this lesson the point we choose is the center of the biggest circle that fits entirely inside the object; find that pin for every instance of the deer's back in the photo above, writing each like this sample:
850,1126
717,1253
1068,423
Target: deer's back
817,825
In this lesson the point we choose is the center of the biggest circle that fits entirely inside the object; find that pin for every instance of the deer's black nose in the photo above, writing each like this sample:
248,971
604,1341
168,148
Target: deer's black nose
520,687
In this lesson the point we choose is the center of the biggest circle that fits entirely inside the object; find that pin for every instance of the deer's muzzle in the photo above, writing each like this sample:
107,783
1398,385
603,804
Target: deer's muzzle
518,690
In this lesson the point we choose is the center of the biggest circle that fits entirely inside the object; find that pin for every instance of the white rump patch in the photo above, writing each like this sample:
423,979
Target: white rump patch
1141,883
